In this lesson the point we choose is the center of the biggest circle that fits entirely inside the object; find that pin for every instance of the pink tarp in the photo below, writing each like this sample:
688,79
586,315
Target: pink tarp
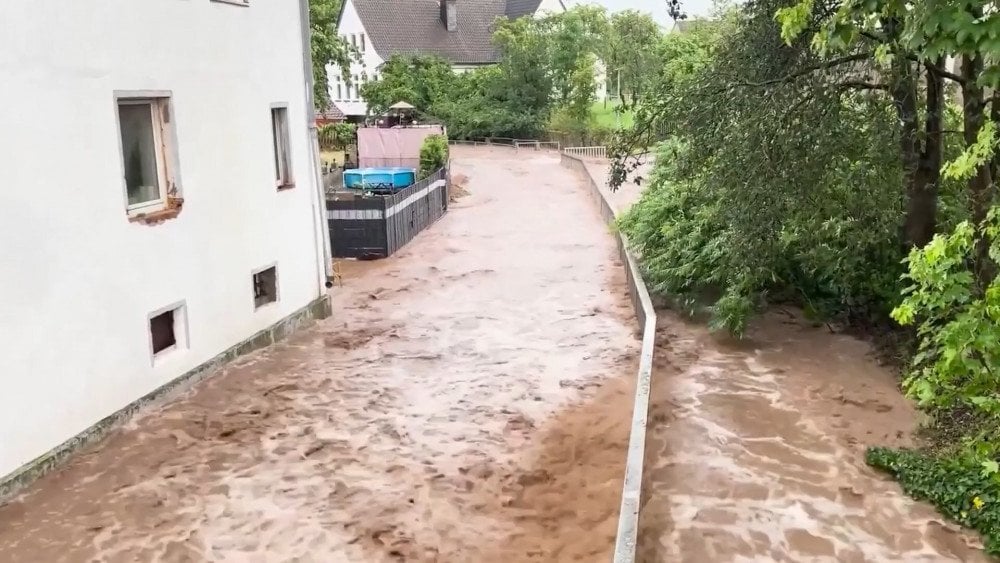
393,147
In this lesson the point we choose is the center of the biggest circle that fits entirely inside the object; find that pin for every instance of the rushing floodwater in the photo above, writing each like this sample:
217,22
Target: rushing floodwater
755,449
468,401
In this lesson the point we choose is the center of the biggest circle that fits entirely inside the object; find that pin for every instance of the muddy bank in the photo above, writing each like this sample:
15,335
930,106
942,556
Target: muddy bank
756,452
468,401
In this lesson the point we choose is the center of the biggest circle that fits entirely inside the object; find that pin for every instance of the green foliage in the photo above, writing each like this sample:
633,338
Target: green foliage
420,80
631,52
963,489
547,65
337,136
776,190
433,154
958,322
977,154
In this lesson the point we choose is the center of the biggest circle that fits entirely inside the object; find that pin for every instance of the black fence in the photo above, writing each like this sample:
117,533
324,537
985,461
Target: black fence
376,226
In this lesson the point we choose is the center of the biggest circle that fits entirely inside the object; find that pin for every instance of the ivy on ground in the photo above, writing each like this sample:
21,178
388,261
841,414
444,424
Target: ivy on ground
959,487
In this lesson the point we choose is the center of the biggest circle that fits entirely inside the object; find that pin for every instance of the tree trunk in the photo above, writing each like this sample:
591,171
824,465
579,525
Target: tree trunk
904,97
981,184
922,196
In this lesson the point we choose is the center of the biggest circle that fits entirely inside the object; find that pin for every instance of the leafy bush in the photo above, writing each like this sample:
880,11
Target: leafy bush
960,488
337,136
433,154
958,321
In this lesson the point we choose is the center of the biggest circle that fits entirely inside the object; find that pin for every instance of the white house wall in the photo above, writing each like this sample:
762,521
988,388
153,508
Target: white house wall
349,101
80,280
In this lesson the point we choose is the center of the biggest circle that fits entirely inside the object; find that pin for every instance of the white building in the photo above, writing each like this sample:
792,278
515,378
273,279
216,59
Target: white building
160,211
459,31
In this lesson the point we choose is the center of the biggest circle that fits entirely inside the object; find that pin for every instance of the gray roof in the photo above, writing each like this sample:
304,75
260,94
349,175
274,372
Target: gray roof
410,27
518,8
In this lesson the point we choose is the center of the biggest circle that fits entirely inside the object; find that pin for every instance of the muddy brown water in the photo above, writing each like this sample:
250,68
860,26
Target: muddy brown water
756,451
755,448
469,400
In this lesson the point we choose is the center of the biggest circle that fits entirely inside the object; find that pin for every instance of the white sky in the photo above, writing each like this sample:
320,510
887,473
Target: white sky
657,8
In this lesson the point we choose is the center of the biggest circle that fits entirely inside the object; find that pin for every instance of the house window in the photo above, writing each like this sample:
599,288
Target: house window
357,89
146,147
282,150
339,92
362,42
168,330
354,40
265,286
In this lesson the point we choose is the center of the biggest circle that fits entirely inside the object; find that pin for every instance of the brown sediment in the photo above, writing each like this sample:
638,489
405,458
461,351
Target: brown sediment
756,452
469,400
459,187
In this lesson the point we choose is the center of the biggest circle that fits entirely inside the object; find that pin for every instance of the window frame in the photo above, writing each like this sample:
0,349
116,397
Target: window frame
282,182
160,103
182,339
277,286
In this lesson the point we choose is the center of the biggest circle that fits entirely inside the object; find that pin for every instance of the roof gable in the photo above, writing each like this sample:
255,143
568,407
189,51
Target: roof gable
410,27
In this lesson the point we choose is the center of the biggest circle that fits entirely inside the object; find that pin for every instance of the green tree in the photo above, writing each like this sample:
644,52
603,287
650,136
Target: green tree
420,80
631,47
433,155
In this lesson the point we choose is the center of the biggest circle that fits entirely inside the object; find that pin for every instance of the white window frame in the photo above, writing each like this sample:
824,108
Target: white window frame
182,338
286,180
164,138
277,287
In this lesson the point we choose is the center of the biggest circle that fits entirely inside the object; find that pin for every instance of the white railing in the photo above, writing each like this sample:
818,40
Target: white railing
536,145
587,152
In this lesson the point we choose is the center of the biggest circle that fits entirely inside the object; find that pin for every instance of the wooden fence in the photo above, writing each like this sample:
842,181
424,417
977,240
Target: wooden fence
376,226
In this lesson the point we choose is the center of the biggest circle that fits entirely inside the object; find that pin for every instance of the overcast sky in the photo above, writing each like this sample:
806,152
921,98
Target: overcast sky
657,8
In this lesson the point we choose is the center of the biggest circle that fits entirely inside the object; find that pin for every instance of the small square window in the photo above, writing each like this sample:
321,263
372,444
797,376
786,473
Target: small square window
146,149
282,150
168,330
265,287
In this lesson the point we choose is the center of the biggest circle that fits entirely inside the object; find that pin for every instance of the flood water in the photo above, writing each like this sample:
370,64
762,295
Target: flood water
469,400
756,451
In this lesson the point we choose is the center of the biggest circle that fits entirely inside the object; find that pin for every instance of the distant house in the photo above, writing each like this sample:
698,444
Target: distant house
460,32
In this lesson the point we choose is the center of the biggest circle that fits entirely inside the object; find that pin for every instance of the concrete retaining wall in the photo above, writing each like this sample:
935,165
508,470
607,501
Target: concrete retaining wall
628,519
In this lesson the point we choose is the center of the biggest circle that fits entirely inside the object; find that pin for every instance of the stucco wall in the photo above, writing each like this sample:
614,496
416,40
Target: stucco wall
78,277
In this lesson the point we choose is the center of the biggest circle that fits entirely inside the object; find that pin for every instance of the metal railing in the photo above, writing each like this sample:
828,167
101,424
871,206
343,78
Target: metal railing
587,152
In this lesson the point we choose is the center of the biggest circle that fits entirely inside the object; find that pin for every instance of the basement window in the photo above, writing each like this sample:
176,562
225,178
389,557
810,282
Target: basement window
265,286
282,149
168,330
147,151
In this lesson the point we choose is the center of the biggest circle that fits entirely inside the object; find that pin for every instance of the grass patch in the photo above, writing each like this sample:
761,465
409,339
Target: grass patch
605,116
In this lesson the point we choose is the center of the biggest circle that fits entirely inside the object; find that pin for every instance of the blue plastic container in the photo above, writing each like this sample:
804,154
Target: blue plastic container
382,178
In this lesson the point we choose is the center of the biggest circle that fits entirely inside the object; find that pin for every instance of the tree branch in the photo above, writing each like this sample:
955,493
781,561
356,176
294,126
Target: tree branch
862,85
825,65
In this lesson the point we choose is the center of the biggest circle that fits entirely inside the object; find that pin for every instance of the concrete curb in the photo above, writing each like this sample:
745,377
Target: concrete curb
56,457
628,517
